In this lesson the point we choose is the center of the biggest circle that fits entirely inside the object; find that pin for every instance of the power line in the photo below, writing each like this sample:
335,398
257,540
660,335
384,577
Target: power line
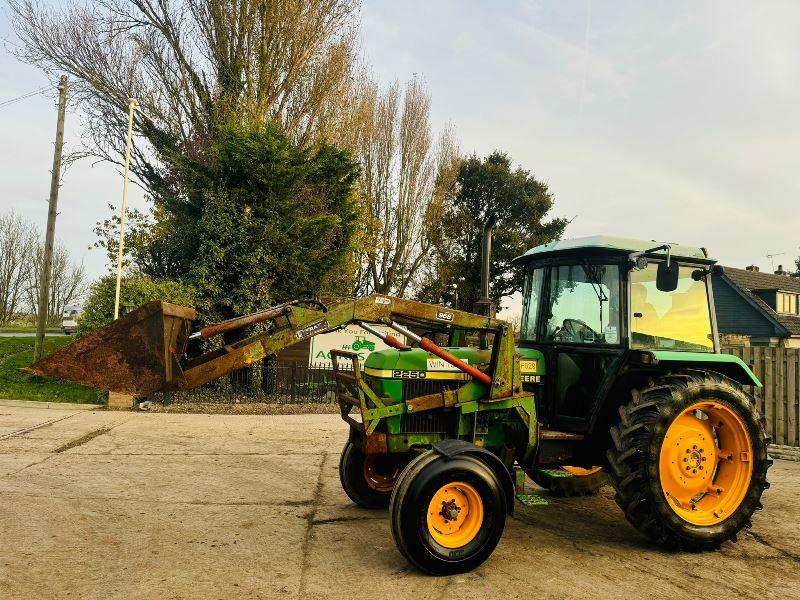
10,101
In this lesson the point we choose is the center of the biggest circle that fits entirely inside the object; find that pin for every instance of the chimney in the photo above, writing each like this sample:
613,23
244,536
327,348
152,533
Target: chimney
752,268
780,271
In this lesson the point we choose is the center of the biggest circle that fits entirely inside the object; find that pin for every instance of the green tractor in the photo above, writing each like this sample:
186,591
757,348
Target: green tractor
619,347
616,372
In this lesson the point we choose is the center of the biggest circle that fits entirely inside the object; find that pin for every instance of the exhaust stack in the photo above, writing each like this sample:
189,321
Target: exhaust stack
485,306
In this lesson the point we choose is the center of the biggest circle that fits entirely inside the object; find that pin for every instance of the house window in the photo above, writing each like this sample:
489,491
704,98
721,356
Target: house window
787,303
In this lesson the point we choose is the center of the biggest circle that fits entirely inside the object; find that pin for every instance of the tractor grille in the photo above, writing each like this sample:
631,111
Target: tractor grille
414,389
435,421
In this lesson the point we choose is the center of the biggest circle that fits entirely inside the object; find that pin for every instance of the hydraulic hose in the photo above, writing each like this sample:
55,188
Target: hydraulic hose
429,346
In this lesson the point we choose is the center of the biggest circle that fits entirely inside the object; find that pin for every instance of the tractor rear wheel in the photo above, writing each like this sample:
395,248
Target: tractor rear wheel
689,460
447,514
570,481
368,479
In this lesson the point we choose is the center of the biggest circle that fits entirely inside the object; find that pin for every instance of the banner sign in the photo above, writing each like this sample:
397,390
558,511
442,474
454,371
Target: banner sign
351,338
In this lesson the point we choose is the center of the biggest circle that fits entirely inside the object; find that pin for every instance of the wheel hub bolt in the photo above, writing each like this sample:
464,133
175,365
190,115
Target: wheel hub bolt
450,510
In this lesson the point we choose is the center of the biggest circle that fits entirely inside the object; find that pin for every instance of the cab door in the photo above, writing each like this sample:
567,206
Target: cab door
579,330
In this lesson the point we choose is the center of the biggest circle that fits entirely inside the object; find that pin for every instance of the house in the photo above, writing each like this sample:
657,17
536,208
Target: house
757,309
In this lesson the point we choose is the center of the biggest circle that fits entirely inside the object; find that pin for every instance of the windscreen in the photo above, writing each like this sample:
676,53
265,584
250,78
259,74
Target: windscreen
583,304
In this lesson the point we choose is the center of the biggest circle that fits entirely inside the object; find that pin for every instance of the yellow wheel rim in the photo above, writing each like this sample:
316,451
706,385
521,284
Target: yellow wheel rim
379,473
706,463
581,472
455,515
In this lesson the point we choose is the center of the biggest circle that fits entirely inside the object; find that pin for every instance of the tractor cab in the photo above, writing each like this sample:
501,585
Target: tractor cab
598,308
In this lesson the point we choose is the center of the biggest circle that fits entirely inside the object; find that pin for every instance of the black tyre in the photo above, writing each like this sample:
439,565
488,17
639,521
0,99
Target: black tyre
689,460
368,479
447,514
570,481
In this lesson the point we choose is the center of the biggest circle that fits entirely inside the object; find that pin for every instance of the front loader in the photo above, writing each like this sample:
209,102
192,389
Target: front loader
616,371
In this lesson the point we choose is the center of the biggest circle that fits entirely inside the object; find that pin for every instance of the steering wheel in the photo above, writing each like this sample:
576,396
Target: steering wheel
573,328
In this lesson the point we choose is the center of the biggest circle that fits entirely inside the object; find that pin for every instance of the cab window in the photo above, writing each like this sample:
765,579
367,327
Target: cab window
677,320
531,296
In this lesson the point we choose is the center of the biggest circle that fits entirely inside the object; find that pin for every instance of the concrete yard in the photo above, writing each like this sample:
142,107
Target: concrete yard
105,504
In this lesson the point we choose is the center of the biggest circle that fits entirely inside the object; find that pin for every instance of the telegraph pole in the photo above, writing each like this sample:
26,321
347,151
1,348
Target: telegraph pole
47,258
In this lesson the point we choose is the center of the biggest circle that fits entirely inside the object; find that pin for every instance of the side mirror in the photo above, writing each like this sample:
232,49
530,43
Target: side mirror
667,276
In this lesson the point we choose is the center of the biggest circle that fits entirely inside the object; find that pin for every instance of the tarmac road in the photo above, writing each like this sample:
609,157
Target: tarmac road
122,505
26,334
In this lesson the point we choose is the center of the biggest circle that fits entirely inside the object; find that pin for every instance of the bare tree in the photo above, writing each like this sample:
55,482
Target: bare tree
68,282
16,243
405,182
194,65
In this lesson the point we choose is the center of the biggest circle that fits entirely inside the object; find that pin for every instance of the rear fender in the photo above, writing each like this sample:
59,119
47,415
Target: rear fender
729,365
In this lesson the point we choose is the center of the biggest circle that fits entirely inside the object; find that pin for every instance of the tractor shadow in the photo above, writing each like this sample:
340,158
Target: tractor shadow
584,520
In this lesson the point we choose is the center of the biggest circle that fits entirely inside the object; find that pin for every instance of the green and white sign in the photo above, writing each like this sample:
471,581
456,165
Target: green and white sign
351,338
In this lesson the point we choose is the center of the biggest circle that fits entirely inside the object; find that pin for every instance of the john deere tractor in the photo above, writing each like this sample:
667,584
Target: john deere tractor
616,371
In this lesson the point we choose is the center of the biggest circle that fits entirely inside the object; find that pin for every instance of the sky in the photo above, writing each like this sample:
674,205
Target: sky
675,121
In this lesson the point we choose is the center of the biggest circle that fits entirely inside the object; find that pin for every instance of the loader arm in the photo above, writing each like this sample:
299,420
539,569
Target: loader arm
143,352
297,323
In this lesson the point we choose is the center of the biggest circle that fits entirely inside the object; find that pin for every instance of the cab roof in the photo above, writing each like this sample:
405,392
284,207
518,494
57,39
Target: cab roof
606,244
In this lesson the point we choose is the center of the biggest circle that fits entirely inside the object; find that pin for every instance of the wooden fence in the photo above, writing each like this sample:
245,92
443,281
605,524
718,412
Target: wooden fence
779,399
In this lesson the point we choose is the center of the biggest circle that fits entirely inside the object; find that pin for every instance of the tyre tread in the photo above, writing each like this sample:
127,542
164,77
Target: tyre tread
630,456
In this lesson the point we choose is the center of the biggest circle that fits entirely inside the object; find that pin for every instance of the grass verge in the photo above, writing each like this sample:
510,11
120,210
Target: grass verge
17,352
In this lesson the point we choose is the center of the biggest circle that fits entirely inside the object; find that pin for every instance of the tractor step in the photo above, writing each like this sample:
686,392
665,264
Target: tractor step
531,500
556,473
521,495
551,434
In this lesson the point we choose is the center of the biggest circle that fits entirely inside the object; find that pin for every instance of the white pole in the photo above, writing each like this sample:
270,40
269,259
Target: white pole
121,249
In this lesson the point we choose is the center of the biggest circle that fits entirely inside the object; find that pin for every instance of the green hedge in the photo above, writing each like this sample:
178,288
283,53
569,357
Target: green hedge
134,291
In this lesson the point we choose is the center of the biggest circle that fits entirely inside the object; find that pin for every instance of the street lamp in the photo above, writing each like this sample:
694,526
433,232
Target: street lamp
121,248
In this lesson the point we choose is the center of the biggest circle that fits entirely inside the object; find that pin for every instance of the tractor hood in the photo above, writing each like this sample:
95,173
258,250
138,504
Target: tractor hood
419,364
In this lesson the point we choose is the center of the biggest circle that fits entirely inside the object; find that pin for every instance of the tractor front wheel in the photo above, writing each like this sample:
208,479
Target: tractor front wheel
689,461
368,479
570,481
447,513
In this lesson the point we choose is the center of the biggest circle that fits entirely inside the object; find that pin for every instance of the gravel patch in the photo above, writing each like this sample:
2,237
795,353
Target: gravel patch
247,408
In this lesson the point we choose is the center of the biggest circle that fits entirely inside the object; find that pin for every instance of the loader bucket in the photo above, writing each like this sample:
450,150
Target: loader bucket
136,354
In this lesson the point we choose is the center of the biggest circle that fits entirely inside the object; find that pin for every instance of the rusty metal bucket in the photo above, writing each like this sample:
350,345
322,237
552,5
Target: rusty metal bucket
137,354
